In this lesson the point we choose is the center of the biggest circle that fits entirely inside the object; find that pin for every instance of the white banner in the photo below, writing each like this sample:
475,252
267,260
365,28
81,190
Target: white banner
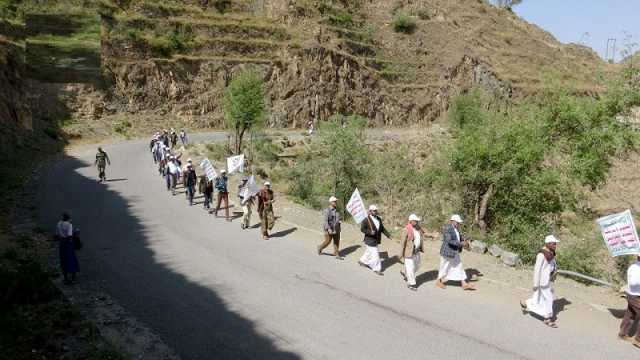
356,208
235,163
619,234
209,170
250,189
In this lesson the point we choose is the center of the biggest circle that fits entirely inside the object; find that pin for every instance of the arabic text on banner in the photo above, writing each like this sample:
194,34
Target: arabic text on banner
619,234
356,208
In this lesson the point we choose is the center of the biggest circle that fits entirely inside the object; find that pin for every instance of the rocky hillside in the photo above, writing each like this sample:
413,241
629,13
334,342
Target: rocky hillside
91,62
320,57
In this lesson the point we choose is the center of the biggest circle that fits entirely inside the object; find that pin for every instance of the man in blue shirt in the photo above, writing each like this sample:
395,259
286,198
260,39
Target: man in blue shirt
223,193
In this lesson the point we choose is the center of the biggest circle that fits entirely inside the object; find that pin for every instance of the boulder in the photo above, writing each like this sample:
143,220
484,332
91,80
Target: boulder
495,250
510,259
478,247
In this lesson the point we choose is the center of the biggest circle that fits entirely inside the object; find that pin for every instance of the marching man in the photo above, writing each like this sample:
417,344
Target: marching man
411,249
544,274
450,264
372,229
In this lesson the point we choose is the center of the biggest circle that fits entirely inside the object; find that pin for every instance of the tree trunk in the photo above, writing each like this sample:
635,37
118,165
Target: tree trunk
482,210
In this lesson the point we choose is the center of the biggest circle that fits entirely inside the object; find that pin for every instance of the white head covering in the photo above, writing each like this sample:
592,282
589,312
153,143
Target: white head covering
550,239
223,171
456,218
332,199
414,217
373,207
266,183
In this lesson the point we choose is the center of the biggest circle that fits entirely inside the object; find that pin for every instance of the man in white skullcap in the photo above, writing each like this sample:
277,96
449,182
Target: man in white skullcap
265,209
411,248
451,267
544,274
331,228
372,228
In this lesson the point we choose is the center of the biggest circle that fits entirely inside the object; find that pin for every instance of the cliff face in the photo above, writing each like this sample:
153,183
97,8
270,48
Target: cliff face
15,115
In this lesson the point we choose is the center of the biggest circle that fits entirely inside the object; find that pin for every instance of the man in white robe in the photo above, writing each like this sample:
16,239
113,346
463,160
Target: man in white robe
372,228
451,267
544,273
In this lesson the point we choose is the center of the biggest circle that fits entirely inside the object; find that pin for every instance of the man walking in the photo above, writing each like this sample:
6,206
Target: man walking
372,228
183,138
411,249
331,227
173,172
633,304
222,182
265,209
190,180
544,274
450,264
246,201
102,159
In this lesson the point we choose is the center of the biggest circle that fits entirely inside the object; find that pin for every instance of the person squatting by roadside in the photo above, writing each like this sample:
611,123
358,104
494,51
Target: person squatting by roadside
544,275
451,267
265,209
372,228
331,227
102,160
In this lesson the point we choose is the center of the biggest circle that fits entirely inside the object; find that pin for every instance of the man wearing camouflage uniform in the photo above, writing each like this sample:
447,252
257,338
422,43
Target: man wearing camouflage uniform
102,159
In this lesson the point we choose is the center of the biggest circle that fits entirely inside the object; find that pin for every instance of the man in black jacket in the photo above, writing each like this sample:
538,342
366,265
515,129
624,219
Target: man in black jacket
372,229
451,267
190,181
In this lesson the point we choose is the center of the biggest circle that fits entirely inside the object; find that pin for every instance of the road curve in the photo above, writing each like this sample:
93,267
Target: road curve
213,291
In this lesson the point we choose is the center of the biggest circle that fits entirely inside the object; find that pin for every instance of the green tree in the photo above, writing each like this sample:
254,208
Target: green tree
244,106
334,164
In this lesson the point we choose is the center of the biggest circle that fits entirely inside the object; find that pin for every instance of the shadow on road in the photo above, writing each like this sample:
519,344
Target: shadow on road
190,318
349,250
284,233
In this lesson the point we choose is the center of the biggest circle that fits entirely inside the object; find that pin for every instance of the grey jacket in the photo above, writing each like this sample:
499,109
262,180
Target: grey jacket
450,244
331,222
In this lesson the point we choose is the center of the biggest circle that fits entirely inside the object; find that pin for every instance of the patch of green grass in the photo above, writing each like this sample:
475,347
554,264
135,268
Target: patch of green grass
403,23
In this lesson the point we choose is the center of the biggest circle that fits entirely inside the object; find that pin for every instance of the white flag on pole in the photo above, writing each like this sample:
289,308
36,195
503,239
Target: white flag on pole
235,163
356,208
209,170
250,189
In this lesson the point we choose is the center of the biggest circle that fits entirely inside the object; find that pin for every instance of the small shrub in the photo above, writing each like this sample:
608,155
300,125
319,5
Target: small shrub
122,127
218,151
341,18
403,23
222,5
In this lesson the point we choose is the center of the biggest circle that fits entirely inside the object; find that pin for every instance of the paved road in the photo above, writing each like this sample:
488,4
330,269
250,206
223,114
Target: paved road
213,291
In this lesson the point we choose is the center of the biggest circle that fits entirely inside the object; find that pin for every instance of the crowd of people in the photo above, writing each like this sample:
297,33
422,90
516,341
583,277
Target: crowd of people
171,168
411,246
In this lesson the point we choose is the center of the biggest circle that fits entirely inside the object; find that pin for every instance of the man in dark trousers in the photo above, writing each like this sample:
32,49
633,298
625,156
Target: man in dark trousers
372,228
265,209
222,183
102,160
331,227
190,181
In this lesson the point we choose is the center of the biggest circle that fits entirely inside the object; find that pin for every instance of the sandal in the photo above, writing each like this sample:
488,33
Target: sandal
550,323
523,307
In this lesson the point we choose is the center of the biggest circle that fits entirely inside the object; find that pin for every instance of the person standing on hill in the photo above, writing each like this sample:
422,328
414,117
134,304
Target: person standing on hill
633,304
222,183
102,160
372,228
265,209
331,227
544,274
451,267
190,180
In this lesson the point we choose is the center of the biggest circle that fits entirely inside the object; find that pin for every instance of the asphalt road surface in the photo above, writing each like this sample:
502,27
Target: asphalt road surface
214,291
